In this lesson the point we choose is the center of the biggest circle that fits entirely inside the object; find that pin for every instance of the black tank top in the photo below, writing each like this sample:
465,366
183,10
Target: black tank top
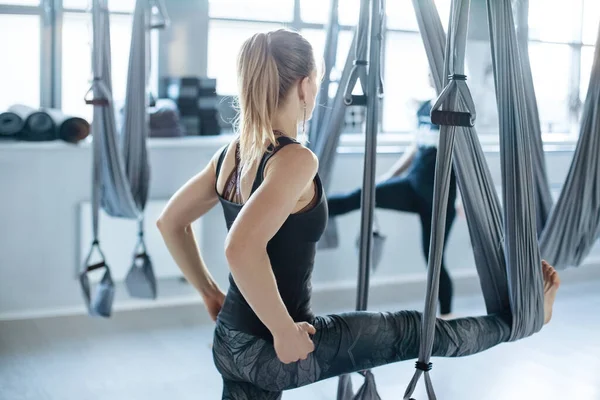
291,252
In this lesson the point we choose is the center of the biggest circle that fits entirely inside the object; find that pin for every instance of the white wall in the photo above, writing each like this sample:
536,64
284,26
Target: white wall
43,186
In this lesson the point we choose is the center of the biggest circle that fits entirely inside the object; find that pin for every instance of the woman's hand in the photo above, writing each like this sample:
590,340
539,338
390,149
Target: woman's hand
294,343
214,303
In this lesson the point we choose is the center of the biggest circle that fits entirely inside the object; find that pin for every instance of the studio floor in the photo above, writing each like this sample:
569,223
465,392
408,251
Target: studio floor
164,354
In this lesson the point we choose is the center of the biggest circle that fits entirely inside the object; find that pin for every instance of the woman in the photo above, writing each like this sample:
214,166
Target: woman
267,340
412,192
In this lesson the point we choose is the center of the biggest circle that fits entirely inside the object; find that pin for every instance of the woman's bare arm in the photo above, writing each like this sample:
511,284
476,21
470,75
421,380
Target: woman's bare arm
288,175
190,202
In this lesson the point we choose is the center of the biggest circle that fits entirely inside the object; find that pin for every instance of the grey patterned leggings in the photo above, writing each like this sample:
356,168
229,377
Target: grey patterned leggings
344,343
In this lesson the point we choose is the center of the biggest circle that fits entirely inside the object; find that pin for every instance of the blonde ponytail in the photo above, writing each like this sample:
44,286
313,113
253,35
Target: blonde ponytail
268,65
258,80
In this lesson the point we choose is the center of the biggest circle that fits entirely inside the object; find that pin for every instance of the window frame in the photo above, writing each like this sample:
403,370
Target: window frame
51,14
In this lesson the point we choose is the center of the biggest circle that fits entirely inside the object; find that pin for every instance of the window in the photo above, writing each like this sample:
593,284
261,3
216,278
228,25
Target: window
21,2
259,10
76,60
226,35
554,21
225,39
77,53
561,36
76,63
587,58
591,21
126,6
406,83
315,11
23,80
316,37
548,62
401,14
406,78
348,12
20,69
311,21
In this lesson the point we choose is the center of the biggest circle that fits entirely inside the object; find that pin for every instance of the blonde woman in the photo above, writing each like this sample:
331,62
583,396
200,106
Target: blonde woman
267,339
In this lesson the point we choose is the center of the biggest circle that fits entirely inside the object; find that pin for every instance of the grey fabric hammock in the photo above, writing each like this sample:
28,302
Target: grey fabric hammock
364,68
120,170
322,112
509,266
543,195
330,127
327,122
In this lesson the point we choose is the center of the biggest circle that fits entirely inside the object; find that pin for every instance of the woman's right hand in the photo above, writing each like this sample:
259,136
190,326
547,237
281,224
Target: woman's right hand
294,343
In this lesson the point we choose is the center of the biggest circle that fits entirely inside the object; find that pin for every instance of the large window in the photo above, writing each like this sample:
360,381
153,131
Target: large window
50,63
76,59
562,35
230,26
20,65
224,41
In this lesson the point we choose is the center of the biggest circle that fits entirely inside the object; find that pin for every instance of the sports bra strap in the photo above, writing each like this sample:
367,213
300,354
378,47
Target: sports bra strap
282,141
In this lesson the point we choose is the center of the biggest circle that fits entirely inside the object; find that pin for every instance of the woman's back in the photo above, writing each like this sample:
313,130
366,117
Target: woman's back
292,249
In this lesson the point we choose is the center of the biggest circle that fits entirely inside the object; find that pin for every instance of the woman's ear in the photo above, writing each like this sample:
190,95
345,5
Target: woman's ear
303,88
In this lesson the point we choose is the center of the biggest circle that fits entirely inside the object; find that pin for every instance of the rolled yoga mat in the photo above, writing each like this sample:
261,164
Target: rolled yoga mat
70,129
38,124
10,125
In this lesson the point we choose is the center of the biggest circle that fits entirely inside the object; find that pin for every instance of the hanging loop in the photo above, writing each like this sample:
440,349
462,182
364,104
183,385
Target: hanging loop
100,304
141,280
454,118
96,94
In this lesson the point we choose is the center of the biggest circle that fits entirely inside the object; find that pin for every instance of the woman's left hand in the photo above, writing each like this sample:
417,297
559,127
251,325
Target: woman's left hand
213,303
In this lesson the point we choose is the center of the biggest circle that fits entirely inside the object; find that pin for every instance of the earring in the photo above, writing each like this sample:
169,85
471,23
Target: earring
304,121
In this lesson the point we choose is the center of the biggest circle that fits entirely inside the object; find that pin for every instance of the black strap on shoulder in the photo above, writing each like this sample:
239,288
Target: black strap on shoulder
221,158
282,141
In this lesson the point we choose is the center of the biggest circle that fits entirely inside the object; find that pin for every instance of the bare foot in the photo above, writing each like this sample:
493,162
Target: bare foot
447,317
551,284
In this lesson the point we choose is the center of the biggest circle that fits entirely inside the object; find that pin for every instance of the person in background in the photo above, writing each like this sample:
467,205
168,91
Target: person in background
408,187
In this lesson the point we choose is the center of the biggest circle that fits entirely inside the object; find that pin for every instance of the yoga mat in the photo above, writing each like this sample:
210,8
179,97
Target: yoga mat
10,125
68,128
38,124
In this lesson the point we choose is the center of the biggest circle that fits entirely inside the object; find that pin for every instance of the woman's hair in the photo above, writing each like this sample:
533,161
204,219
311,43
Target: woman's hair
269,64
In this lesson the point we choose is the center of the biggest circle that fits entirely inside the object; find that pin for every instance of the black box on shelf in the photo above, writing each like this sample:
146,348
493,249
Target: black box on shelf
190,88
197,101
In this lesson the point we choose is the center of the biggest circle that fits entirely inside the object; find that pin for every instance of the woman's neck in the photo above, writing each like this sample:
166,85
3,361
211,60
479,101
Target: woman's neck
285,131
286,126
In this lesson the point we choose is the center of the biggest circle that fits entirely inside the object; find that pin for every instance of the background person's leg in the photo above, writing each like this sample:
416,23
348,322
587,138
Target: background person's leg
446,288
394,194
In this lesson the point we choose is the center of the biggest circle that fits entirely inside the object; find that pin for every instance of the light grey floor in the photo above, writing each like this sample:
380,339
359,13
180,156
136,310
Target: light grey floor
164,354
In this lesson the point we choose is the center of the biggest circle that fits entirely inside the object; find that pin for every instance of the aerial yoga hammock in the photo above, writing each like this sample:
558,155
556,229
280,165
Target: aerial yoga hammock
507,252
509,277
121,172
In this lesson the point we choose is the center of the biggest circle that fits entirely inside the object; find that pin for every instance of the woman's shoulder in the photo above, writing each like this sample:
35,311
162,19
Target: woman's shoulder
295,157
